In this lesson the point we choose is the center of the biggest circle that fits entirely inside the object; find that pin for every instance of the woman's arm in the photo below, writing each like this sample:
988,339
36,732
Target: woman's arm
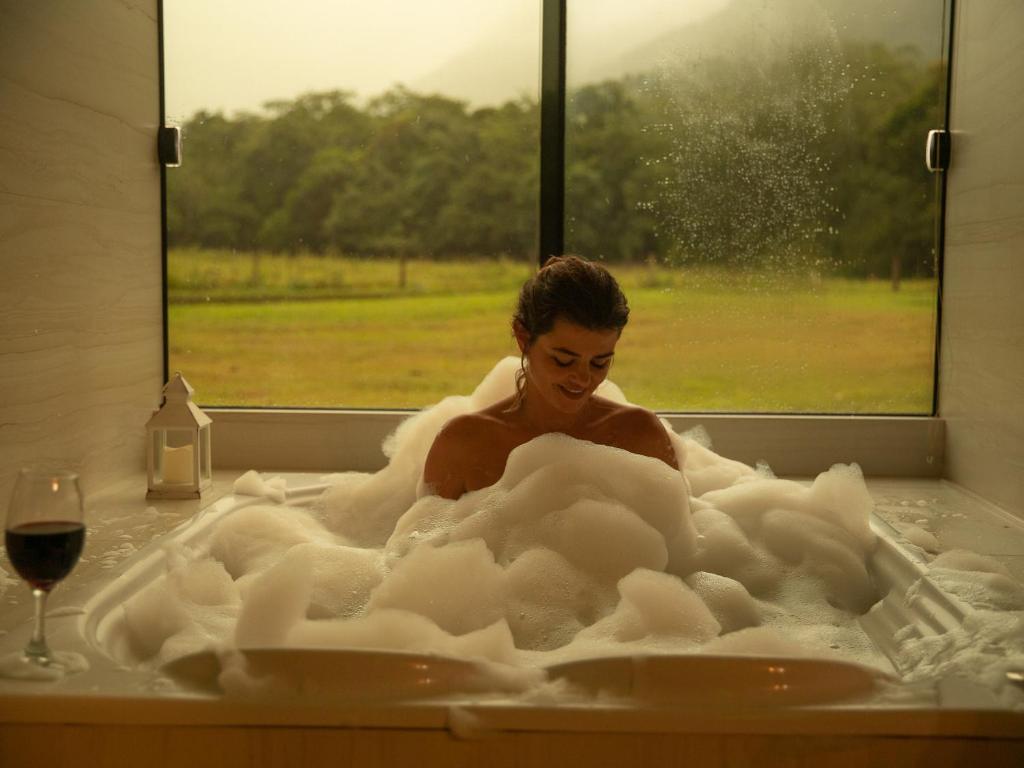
443,471
640,431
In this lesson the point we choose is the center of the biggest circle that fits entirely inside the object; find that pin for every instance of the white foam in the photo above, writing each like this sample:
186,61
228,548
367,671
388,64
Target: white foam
252,484
985,648
918,536
459,587
579,549
706,470
964,560
727,600
656,604
276,601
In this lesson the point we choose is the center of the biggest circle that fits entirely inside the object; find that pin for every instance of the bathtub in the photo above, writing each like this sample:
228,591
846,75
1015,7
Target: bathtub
690,700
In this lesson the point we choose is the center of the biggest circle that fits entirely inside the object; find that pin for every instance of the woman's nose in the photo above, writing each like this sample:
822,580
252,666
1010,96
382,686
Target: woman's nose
580,375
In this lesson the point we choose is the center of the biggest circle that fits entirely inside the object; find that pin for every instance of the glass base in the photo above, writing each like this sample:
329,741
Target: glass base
37,652
22,665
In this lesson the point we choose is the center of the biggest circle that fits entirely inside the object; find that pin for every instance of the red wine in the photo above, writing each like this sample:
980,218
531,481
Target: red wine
44,553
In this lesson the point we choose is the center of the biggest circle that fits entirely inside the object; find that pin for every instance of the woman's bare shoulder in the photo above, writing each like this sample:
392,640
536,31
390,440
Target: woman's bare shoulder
632,419
457,436
471,427
639,430
622,414
461,446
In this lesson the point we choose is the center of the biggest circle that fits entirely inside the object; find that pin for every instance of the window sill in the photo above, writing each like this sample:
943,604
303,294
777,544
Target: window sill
338,440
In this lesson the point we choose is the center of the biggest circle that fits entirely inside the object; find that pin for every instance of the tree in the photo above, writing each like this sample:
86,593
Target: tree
207,203
885,204
806,155
493,204
606,179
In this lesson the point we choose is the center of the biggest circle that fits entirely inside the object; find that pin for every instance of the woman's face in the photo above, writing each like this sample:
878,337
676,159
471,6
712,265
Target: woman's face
567,363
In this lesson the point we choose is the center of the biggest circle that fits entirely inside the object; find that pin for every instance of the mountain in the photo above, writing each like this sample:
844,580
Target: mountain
750,26
501,66
504,64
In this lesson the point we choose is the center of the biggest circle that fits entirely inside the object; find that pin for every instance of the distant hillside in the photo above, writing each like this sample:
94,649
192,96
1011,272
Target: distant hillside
496,69
503,65
905,22
753,25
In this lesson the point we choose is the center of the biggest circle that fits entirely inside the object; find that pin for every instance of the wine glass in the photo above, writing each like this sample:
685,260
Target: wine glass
44,537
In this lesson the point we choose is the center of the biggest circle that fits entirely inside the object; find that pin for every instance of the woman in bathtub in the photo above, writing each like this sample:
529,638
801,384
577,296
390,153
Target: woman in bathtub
567,322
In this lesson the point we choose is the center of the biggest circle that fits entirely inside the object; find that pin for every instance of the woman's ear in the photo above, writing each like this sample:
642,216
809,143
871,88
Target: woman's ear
522,336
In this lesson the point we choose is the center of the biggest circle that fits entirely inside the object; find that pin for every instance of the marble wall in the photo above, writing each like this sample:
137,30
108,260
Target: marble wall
982,349
80,293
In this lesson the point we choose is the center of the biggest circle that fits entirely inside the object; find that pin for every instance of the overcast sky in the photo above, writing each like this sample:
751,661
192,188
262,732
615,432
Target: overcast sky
232,55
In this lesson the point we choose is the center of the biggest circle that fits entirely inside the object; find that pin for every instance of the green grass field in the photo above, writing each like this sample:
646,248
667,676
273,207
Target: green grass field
340,333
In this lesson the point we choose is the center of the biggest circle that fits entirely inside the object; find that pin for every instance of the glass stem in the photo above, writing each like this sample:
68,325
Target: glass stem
37,650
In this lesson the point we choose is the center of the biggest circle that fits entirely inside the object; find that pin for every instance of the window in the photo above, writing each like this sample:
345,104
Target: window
358,197
752,172
757,170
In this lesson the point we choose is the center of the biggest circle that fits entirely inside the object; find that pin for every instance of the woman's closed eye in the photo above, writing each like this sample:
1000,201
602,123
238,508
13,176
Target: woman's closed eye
595,364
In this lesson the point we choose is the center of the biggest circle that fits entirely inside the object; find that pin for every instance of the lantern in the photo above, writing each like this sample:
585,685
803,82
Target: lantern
178,462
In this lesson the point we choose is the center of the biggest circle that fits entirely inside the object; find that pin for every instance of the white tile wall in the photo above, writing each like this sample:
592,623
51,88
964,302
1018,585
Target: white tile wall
80,316
982,351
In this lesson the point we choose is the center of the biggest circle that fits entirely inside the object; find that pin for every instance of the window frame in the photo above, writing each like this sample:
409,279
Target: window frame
796,445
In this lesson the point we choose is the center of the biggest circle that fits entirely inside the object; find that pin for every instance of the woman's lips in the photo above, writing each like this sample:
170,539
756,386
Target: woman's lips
572,394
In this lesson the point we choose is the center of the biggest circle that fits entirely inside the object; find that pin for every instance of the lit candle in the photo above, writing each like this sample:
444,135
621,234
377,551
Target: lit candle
178,465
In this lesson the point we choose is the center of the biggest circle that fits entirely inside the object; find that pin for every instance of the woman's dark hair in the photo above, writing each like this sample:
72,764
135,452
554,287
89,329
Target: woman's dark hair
569,287
572,288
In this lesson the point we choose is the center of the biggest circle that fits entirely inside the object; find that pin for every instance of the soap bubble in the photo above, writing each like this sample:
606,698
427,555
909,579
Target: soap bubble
578,550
